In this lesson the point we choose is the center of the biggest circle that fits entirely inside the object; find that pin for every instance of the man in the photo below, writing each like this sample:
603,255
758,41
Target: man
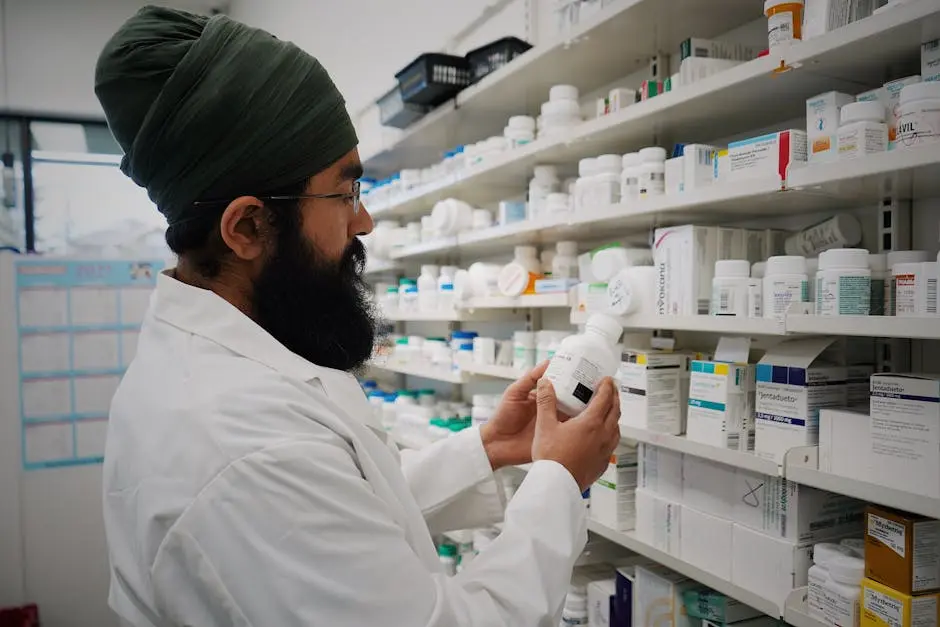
246,481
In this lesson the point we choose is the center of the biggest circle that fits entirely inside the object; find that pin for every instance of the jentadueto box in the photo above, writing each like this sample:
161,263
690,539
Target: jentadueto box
902,551
793,384
905,432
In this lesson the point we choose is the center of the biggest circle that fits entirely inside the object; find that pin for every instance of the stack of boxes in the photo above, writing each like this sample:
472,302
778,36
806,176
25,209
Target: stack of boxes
613,495
754,530
902,570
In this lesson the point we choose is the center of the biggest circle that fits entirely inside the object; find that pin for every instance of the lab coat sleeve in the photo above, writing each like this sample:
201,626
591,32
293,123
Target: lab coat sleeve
454,484
294,536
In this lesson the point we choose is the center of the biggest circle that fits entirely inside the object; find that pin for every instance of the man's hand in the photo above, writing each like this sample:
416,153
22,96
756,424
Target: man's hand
507,436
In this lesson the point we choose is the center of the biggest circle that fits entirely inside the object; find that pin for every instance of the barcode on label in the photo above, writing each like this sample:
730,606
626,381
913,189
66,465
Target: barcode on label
932,296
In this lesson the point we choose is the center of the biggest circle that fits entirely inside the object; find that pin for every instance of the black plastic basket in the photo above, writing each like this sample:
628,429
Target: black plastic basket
495,55
395,112
433,78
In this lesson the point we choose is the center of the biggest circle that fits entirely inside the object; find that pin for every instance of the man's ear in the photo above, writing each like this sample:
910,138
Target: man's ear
243,228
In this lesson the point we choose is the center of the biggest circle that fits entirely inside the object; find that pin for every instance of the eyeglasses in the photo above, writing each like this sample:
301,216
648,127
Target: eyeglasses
352,197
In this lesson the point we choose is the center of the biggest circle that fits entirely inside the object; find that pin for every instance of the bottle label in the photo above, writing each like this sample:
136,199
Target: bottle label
574,375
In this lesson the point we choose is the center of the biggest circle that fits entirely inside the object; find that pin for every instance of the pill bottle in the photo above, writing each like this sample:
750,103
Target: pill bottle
520,130
523,350
919,115
630,177
389,412
823,555
843,283
862,129
758,269
733,292
482,219
575,612
547,343
584,188
546,259
878,265
785,282
896,257
482,409
607,180
915,289
484,351
607,261
632,291
544,182
565,263
556,203
427,287
652,171
426,397
390,301
842,590
855,545
408,295
784,21
450,217
840,231
447,553
581,361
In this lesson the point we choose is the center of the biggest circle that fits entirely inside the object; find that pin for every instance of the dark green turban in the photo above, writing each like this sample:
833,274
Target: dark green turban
208,108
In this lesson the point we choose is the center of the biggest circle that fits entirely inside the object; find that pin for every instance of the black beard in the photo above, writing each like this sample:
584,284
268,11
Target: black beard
320,310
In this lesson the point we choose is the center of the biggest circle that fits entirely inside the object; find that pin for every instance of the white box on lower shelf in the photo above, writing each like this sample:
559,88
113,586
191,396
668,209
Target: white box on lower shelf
766,566
707,543
658,522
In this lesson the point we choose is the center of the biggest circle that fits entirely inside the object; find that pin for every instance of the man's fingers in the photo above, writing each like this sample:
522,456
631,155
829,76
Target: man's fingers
527,382
546,407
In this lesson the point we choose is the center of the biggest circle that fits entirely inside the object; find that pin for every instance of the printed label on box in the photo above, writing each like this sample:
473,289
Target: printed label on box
888,532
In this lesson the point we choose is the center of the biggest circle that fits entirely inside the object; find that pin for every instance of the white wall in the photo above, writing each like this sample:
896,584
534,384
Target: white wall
52,47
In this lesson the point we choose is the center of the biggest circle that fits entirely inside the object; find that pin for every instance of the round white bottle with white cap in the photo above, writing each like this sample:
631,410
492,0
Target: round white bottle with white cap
862,129
581,361
818,577
565,263
584,188
843,283
652,171
606,188
899,257
842,591
734,293
785,282
630,177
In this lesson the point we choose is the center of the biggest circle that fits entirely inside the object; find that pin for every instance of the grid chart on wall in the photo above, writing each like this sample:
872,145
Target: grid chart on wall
77,326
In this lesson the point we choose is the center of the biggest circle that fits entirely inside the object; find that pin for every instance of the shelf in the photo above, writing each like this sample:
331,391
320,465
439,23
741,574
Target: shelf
869,326
801,467
442,245
679,443
796,613
380,266
479,313
496,372
728,325
629,541
426,371
526,301
615,43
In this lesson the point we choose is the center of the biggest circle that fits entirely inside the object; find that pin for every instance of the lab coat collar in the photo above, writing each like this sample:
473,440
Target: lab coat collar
206,314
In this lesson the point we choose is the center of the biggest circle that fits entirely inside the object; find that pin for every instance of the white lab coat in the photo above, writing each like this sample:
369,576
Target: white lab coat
244,485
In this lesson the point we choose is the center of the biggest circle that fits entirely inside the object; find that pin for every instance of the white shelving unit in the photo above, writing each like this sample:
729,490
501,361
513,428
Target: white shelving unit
426,371
526,301
681,444
495,372
728,325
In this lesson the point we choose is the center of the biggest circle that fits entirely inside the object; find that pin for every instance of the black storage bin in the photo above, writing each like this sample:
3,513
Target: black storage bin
395,112
495,55
433,78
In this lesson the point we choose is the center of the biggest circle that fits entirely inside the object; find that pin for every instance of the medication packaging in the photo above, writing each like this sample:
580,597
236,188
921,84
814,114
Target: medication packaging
844,441
581,361
905,431
862,130
716,607
698,164
892,92
613,495
840,231
902,550
658,521
713,49
784,21
915,289
818,576
685,258
767,156
661,471
843,283
885,607
601,594
708,544
918,117
895,258
822,124
674,172
930,61
784,282
658,597
654,388
768,566
793,384
721,397
843,591
734,292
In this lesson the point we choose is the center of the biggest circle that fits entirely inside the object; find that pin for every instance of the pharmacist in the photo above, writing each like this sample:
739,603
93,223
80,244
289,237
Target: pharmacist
245,480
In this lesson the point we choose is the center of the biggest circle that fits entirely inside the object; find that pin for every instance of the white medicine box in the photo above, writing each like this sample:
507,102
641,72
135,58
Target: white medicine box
684,257
654,388
658,522
905,432
822,124
769,567
721,397
708,486
708,544
845,443
767,156
658,597
793,384
789,511
661,471
613,495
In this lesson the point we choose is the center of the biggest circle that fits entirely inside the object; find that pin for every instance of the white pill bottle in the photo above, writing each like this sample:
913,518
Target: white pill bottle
581,361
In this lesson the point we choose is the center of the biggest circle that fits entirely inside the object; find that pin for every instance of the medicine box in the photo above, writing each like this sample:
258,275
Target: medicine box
613,495
698,166
620,98
902,551
760,621
721,404
822,124
685,258
823,16
654,388
601,594
793,384
930,60
625,585
766,156
694,69
789,511
892,94
708,544
767,566
708,486
711,48
658,597
716,607
857,384
661,471
675,170
905,432
844,442
658,522
764,243
882,606
870,95
722,172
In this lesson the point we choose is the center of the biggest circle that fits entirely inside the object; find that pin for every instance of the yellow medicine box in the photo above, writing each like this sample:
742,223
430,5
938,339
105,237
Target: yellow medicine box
886,607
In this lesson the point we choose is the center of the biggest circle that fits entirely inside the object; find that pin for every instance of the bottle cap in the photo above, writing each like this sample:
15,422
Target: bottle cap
825,552
587,167
785,264
447,550
847,570
929,90
568,249
865,111
513,279
652,153
563,92
610,163
733,268
607,326
878,262
630,159
843,258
